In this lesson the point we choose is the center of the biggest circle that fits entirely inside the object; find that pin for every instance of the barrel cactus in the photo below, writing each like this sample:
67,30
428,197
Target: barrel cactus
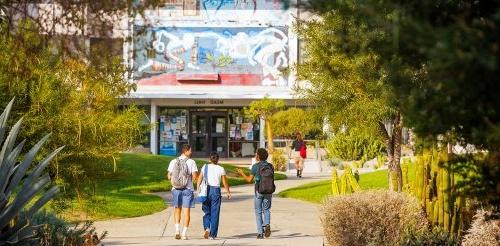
20,184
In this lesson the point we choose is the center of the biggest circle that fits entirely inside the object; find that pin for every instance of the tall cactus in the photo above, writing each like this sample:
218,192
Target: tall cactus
335,185
348,183
18,187
433,188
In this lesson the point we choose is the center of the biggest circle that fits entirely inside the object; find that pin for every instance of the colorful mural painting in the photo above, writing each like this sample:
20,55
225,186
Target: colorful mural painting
230,56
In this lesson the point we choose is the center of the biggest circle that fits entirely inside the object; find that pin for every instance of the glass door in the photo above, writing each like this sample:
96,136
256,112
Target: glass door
199,134
218,133
208,133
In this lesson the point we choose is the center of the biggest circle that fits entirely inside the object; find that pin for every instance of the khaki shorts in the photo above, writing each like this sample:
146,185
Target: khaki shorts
296,156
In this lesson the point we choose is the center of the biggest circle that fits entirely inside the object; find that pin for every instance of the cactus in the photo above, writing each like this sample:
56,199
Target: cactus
19,187
348,183
335,185
433,188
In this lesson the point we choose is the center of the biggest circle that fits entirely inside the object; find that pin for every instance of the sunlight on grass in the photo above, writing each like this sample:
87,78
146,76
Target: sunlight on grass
317,191
126,193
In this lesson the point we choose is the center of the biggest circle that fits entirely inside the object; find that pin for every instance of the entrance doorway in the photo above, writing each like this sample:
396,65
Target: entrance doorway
208,133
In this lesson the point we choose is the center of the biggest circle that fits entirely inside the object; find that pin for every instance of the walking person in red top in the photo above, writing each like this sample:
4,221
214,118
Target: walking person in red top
299,149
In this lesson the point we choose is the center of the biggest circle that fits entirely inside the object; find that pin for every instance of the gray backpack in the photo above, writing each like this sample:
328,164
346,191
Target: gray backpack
180,174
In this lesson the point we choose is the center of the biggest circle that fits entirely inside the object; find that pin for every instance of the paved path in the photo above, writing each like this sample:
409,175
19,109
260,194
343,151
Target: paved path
293,222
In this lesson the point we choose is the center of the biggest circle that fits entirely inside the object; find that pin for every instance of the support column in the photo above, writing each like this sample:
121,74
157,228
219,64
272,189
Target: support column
154,128
262,137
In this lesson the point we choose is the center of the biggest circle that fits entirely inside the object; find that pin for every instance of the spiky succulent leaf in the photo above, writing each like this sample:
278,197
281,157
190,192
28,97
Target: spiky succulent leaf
15,217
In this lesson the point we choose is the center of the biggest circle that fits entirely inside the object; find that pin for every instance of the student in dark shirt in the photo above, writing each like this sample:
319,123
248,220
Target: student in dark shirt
297,145
262,201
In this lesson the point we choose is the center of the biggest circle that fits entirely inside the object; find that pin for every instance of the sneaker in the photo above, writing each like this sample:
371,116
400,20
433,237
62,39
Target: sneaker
260,236
206,234
212,238
184,237
267,231
178,236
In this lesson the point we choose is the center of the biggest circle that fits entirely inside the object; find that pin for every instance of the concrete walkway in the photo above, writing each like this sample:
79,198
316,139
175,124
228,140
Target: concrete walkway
293,222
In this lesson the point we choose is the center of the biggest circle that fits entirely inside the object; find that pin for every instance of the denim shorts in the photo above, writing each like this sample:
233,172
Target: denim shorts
182,198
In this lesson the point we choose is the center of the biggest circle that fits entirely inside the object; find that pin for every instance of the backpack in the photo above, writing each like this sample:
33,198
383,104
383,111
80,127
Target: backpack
180,174
266,182
303,151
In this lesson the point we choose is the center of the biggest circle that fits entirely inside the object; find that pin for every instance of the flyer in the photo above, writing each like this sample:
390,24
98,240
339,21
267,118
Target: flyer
219,128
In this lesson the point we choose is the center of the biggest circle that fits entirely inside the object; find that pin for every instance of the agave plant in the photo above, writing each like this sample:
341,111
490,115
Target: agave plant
20,183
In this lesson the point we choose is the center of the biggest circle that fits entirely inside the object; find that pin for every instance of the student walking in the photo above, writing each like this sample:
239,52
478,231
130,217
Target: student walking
213,174
181,172
263,175
299,153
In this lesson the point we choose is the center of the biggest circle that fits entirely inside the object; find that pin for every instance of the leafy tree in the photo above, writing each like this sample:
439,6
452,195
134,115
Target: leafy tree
348,80
440,59
265,108
288,122
75,101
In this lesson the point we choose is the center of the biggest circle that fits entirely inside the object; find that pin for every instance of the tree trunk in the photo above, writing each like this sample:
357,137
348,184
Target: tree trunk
269,133
393,145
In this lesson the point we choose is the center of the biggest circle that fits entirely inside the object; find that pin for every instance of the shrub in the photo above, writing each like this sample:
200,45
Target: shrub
23,191
437,236
53,231
370,218
354,145
485,230
279,160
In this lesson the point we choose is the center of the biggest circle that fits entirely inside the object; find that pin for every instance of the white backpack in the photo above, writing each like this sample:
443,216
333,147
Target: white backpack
180,174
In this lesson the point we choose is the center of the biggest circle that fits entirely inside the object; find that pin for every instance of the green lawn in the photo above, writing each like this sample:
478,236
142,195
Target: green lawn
317,191
126,193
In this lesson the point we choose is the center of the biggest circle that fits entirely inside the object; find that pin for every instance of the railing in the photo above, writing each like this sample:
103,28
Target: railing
314,151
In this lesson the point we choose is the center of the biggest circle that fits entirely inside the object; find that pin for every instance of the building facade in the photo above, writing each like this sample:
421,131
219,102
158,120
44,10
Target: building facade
198,63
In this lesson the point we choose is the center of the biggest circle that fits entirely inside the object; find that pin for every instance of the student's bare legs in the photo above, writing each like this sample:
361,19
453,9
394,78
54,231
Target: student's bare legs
177,218
187,216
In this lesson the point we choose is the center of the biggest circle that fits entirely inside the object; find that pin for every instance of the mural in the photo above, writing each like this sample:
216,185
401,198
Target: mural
231,56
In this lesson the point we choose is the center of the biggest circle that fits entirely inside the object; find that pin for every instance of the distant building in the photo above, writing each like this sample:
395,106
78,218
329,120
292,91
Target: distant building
197,64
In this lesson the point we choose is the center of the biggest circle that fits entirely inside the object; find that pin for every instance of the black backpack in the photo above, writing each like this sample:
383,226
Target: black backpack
266,182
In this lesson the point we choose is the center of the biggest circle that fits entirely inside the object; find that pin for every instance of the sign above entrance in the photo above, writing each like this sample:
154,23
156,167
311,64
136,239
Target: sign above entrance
208,102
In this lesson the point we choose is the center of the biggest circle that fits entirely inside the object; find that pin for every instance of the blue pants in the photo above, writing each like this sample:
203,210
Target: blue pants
262,210
211,208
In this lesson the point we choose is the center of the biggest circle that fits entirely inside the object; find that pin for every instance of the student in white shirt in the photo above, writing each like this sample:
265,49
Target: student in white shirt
211,207
183,197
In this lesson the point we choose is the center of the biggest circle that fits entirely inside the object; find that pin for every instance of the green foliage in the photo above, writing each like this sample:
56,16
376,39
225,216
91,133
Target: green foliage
264,108
127,192
380,161
279,160
19,188
288,122
433,187
348,81
335,183
316,192
436,236
348,183
74,100
354,144
53,231
440,83
480,176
